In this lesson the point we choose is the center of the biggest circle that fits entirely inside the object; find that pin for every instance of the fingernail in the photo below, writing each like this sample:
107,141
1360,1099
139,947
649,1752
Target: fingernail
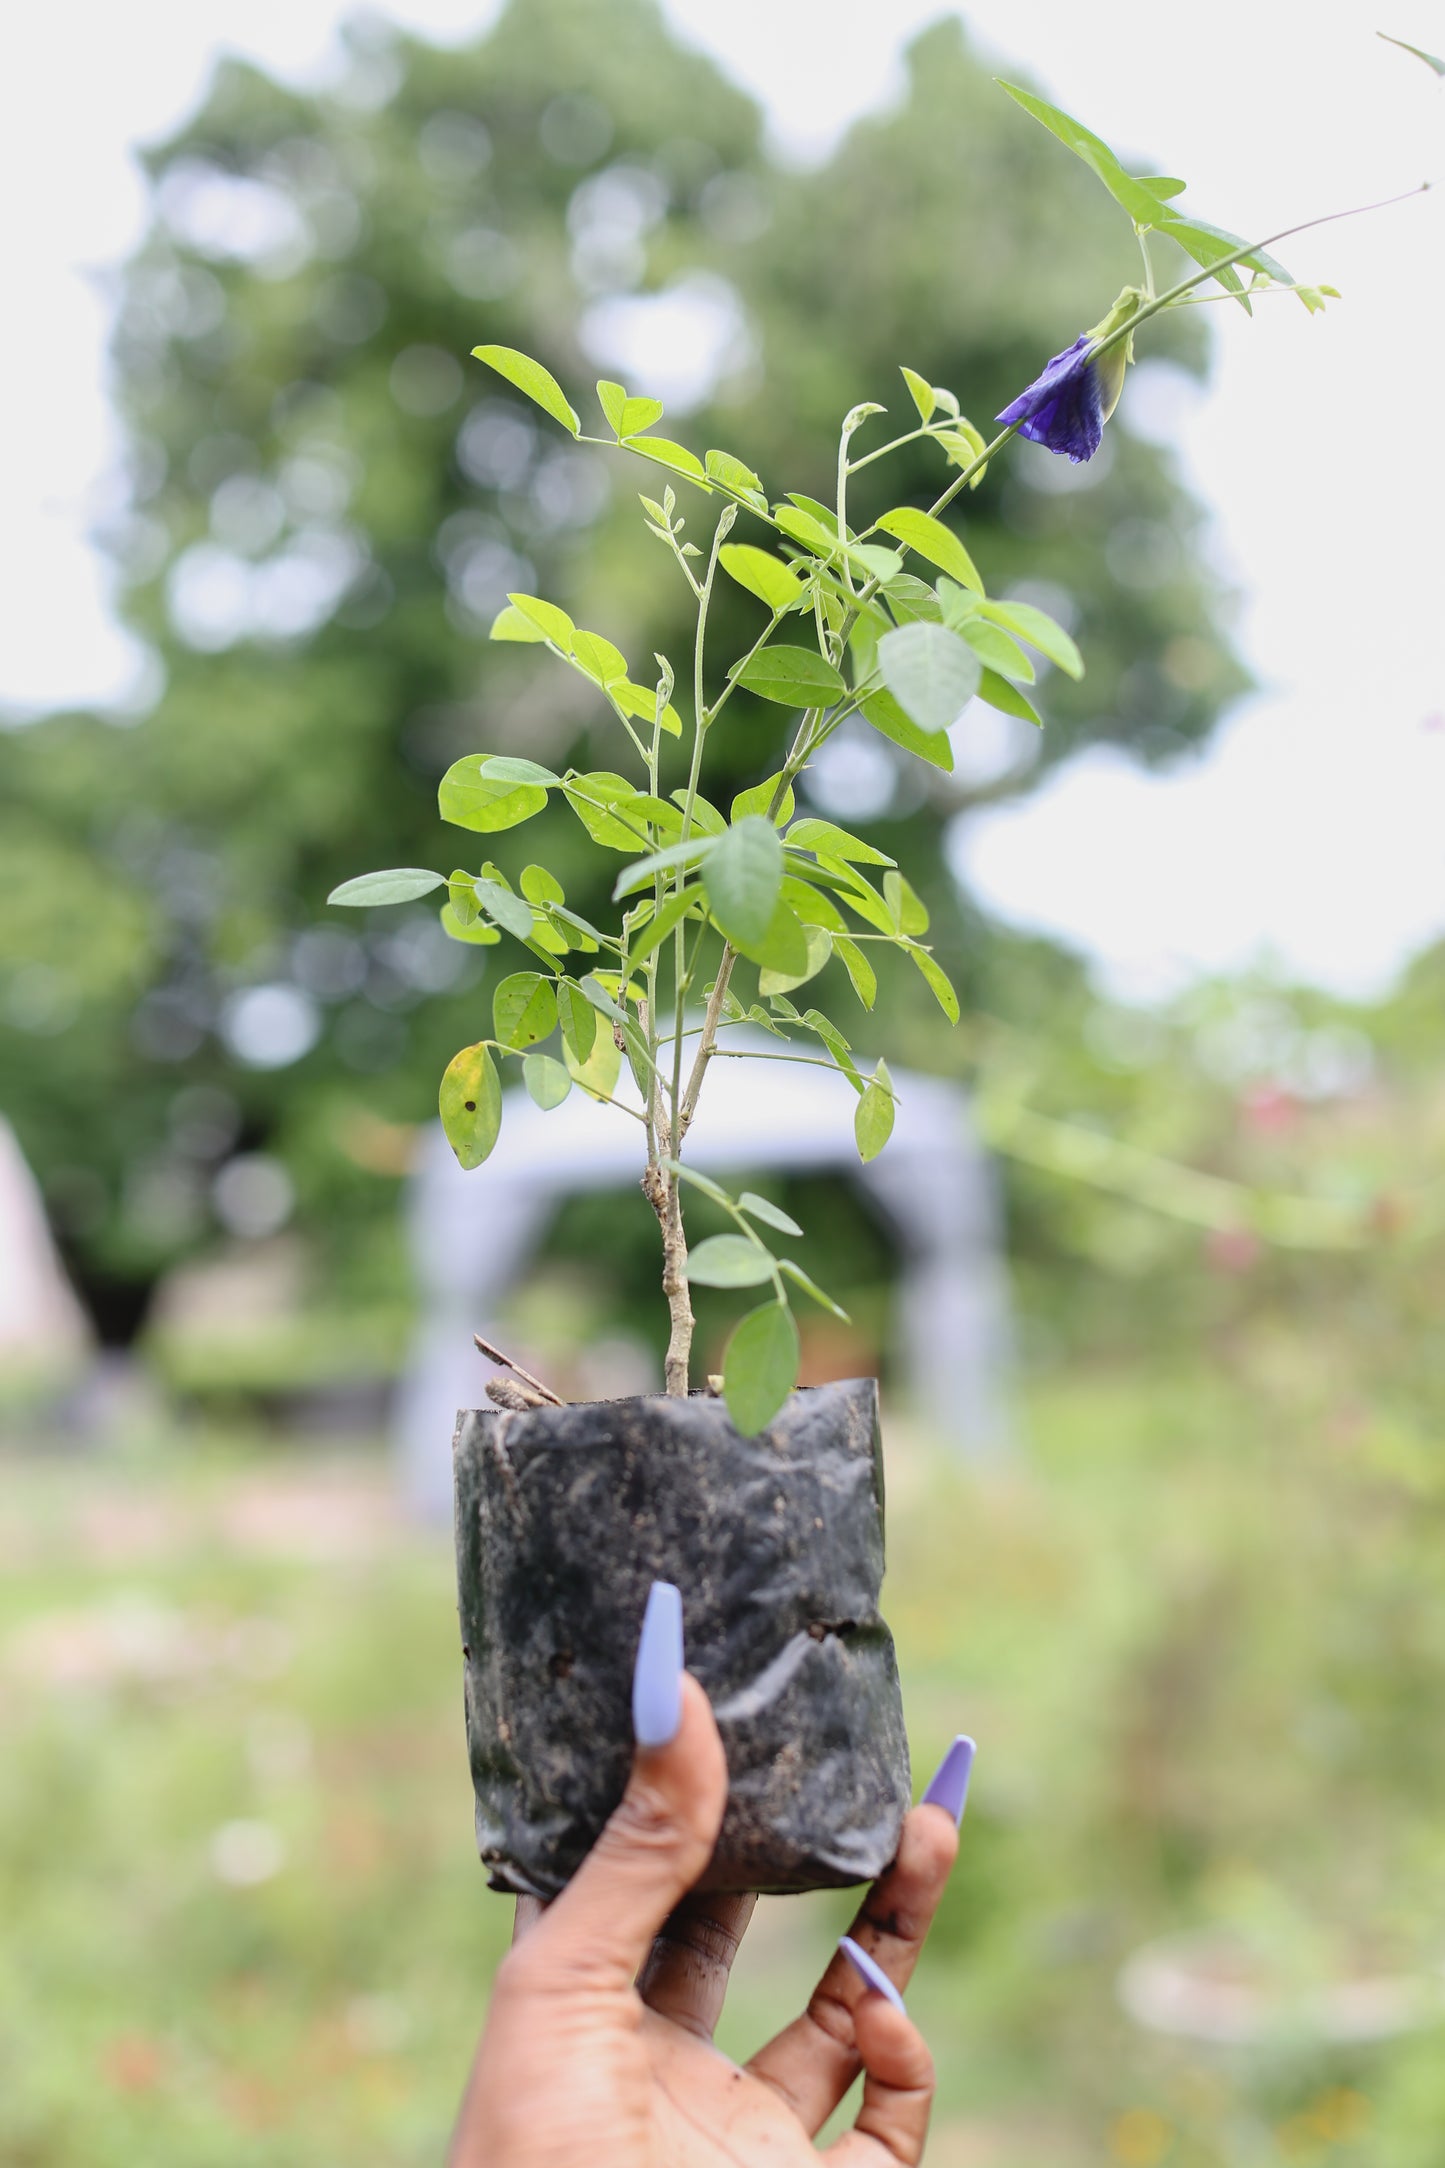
657,1676
871,1974
949,1788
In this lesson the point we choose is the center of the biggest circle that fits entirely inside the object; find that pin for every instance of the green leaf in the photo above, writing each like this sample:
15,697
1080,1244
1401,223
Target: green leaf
909,913
642,700
996,692
613,400
796,677
910,599
578,1019
549,936
506,910
469,798
547,1080
873,1116
524,1009
601,998
996,649
760,1367
931,673
772,1215
703,1182
589,937
864,978
650,936
831,842
504,768
639,1061
704,815
811,1287
639,875
836,1044
403,884
1429,59
862,897
732,474
887,717
540,886
761,574
462,895
471,928
920,531
1163,185
964,445
800,526
760,797
598,1074
921,391
530,377
470,1102
626,415
871,558
592,795
1040,630
729,1261
1143,207
819,948
783,949
599,658
553,624
811,905
757,1014
1208,245
664,817
510,624
668,454
743,876
939,982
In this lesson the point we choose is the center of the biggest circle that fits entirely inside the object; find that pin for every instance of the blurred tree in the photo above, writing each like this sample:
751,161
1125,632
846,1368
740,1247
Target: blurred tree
327,502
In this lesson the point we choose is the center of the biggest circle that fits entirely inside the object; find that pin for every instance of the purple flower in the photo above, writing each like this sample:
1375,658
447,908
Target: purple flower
1064,408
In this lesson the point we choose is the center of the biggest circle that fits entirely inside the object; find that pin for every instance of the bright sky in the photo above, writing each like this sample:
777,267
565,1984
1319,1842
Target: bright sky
1311,832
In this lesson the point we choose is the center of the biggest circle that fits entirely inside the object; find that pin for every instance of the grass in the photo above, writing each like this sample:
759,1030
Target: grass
1198,1629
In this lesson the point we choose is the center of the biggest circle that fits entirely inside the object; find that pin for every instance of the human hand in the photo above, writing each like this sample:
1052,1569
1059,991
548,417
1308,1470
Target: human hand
598,2051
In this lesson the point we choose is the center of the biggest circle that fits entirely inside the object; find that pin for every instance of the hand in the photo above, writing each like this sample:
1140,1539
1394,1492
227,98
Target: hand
598,2051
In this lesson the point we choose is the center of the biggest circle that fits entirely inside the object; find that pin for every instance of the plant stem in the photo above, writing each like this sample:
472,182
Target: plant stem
666,1115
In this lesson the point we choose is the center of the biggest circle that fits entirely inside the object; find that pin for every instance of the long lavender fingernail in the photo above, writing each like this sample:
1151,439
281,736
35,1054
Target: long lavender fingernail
949,1788
871,1974
657,1675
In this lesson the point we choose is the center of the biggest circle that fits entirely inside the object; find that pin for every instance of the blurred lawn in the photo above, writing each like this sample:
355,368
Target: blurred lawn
1199,1631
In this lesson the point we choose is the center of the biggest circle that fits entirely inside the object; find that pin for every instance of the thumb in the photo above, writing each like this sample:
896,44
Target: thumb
662,1835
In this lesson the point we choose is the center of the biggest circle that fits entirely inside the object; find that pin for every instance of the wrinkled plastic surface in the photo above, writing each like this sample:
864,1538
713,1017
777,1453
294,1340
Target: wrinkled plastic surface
566,1516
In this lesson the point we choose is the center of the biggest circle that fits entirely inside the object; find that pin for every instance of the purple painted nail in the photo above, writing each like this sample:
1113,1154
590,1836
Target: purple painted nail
949,1788
657,1676
871,1974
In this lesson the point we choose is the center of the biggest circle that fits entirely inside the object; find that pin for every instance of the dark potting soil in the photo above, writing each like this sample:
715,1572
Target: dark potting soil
565,1518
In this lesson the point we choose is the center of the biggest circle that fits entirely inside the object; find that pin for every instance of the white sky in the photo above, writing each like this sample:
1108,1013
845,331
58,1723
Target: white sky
1311,832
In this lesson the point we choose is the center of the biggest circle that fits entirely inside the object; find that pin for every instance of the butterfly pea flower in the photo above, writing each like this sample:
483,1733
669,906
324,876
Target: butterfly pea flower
1066,407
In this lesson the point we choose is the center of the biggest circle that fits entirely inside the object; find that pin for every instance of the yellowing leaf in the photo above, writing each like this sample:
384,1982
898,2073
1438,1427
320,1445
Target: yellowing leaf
470,1104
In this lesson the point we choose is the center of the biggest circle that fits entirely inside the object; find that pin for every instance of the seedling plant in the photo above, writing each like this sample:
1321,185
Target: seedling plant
725,917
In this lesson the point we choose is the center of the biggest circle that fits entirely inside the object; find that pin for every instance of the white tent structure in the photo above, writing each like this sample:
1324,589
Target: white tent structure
43,1329
472,1234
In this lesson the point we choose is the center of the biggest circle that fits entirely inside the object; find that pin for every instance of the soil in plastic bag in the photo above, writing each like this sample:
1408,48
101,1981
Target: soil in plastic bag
565,1518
